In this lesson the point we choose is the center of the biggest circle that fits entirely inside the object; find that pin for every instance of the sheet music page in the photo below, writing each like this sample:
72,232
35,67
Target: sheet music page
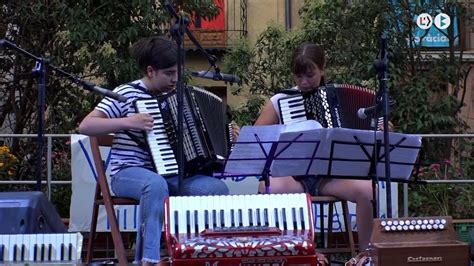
353,150
350,150
306,148
400,154
247,157
296,146
302,126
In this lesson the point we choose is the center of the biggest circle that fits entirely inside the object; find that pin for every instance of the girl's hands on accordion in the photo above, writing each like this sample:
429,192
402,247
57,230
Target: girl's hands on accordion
391,127
235,131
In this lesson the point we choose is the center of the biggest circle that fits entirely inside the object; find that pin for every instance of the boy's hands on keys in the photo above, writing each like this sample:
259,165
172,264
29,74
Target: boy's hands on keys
141,121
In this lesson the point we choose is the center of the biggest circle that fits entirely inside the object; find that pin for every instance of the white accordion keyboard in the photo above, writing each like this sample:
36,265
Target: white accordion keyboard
194,214
157,139
40,248
292,109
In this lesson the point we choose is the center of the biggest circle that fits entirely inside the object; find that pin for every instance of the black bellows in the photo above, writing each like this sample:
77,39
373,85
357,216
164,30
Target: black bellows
28,213
206,132
333,105
213,113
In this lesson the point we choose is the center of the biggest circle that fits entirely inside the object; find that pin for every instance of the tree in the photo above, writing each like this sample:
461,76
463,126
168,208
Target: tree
89,39
350,34
426,88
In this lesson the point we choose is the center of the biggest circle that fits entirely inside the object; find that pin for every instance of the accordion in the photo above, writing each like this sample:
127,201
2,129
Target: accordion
417,241
333,105
206,133
265,229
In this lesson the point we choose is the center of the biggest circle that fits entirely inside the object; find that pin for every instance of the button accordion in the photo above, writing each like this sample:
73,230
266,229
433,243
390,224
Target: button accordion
333,105
41,248
417,241
273,229
206,132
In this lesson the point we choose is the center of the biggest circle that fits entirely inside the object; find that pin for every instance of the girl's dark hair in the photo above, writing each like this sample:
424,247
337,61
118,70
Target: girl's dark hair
157,52
306,57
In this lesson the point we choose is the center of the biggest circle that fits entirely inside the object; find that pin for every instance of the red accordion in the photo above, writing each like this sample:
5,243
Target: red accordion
333,105
268,229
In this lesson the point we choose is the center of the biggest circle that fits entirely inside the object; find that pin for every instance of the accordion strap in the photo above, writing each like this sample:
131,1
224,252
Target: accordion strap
138,87
140,143
291,91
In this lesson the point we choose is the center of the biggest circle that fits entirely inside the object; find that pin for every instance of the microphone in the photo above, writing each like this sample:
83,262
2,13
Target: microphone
363,113
92,87
216,76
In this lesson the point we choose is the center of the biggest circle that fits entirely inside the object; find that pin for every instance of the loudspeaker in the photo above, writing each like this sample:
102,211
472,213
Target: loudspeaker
28,213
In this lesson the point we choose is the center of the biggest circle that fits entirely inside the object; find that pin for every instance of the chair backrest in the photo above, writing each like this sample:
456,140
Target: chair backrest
350,98
96,143
104,197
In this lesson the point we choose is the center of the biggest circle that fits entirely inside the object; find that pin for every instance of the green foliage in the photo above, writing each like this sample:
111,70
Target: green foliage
264,68
112,26
426,88
89,39
247,114
350,41
21,166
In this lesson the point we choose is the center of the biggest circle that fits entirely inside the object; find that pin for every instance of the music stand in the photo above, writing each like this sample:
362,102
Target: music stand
351,145
350,154
327,153
258,147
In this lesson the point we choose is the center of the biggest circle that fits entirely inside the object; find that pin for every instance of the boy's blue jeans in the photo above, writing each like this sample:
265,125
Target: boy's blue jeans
151,189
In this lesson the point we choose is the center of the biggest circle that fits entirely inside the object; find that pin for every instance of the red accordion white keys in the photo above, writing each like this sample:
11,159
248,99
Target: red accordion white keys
266,229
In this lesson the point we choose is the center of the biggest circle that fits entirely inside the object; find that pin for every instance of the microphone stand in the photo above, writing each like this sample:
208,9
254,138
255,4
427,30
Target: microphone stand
41,70
381,65
177,32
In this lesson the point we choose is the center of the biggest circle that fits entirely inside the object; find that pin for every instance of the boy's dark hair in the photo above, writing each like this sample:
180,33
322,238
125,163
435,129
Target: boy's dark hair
157,52
306,57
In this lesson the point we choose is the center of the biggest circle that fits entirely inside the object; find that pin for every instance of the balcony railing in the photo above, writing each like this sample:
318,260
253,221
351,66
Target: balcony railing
57,145
214,39
224,32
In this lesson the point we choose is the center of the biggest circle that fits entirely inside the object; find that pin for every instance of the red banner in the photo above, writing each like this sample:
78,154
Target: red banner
218,23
